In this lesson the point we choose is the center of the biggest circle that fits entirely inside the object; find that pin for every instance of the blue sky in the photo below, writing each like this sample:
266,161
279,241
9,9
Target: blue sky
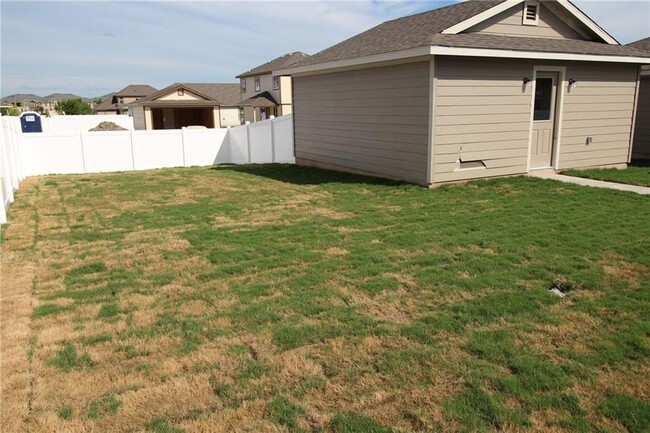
91,48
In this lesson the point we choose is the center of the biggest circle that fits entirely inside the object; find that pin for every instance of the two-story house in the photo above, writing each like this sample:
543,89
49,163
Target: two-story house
264,94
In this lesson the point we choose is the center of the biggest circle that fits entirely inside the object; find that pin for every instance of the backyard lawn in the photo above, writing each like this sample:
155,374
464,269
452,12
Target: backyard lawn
287,299
637,173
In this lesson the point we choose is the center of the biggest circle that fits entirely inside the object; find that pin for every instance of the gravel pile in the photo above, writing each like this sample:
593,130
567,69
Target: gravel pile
108,126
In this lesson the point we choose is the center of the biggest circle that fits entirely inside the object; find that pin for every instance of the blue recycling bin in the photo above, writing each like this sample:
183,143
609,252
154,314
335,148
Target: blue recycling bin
30,121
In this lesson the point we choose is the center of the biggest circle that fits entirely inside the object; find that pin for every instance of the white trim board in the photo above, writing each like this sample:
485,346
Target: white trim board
477,19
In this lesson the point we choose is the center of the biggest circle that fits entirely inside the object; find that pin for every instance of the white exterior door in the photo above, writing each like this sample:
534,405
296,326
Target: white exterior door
543,136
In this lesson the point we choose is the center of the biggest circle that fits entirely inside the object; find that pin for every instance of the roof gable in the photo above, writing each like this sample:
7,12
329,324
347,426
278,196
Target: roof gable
549,25
565,5
226,94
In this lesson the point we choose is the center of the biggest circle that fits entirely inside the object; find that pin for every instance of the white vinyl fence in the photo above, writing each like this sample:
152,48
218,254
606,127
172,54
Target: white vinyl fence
80,151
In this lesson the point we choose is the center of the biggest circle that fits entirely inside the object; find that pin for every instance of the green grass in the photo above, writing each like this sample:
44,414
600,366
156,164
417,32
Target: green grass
67,359
637,173
102,406
305,300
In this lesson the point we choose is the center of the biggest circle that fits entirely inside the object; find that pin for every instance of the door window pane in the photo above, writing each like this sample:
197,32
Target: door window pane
543,98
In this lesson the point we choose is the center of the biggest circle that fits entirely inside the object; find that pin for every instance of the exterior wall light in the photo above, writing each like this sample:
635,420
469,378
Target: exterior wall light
572,83
526,81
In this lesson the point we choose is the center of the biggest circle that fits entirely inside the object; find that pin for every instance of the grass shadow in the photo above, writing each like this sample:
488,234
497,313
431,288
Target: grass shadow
299,175
640,163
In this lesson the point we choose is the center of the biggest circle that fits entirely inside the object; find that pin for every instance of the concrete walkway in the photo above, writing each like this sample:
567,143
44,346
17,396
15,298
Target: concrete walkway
594,183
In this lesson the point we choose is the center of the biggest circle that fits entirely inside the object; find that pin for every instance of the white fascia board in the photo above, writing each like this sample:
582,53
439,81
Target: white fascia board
480,52
584,19
346,63
477,19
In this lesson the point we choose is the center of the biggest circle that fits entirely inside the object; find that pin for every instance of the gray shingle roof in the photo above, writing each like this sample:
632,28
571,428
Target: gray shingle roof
20,97
279,63
264,99
425,29
136,90
106,105
643,45
227,94
402,33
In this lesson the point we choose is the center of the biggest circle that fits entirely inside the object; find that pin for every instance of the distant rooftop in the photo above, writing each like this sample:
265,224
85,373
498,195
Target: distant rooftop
279,63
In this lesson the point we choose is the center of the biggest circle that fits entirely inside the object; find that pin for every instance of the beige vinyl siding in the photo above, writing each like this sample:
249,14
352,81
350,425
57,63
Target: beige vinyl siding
601,106
482,114
509,23
641,147
372,120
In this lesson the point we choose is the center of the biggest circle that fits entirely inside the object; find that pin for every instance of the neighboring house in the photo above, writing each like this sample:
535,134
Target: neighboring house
641,145
50,101
24,102
472,90
213,105
118,103
264,94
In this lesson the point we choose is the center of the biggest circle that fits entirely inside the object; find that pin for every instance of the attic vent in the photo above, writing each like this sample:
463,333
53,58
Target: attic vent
531,13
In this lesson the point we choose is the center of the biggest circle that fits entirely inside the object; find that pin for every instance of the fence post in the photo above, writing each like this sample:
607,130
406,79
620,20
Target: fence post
273,139
83,154
248,142
132,151
183,145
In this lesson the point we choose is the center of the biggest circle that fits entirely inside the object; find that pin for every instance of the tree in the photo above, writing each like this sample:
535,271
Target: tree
73,106
10,111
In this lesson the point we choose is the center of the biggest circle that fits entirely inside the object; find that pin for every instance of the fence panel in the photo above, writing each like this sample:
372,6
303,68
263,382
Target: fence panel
203,145
59,153
283,139
158,149
261,142
107,151
236,151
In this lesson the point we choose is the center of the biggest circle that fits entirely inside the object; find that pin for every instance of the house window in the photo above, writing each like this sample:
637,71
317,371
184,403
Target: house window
181,92
257,84
543,99
276,83
242,84
120,100
531,13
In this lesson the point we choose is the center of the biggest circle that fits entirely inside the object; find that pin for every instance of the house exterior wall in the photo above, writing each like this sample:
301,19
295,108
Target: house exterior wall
601,106
641,147
138,117
374,121
229,116
509,23
483,113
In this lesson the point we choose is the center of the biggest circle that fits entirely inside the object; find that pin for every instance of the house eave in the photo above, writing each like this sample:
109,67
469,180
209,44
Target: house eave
434,50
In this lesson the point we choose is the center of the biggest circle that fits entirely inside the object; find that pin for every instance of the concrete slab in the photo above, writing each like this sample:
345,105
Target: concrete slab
591,182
